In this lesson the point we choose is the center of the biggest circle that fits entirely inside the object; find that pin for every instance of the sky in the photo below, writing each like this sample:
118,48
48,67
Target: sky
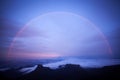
15,14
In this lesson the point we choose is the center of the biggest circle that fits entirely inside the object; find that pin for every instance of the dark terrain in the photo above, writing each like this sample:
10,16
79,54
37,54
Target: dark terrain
64,72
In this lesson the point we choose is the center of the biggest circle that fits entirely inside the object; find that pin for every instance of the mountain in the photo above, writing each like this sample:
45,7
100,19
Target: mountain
63,72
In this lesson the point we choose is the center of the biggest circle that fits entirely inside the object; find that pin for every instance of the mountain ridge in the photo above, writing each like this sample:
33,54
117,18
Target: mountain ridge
63,72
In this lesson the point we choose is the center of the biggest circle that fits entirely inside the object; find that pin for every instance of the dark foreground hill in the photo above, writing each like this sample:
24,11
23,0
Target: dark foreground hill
64,72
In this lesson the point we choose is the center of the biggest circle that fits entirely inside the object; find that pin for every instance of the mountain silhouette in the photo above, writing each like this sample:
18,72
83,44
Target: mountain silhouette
64,72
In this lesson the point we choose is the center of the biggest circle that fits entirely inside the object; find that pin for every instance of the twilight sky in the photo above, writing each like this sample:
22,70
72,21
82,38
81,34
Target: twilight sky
82,28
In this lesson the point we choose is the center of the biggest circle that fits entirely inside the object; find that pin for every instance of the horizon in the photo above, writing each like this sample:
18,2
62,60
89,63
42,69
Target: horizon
56,30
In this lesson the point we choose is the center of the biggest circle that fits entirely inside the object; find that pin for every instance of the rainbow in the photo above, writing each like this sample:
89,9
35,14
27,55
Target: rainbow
84,19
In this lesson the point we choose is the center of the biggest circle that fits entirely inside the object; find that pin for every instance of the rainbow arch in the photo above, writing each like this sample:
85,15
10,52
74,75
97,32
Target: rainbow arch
86,20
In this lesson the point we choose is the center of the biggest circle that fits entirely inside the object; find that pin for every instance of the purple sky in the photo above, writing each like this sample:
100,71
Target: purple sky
60,34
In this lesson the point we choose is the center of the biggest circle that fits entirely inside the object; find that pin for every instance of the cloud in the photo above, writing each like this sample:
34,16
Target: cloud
8,30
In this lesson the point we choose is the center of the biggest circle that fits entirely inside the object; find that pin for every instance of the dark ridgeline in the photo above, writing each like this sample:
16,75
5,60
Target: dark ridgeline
64,72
